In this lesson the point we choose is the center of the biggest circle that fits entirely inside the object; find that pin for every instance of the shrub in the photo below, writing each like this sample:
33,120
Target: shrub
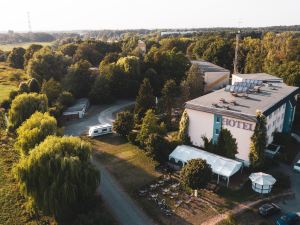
124,123
66,99
131,137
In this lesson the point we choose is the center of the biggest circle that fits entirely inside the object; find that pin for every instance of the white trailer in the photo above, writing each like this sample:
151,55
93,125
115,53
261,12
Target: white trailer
100,129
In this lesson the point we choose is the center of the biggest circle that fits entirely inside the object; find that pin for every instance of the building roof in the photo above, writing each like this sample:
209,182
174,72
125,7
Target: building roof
79,105
220,165
259,76
225,103
208,66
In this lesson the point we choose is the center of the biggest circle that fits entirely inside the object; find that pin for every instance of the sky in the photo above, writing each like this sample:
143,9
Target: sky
56,15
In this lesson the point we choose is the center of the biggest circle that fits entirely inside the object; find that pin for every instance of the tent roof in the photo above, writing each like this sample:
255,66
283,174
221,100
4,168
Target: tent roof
220,165
262,178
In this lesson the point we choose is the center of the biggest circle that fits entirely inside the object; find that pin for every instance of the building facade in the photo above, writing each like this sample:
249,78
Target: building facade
236,111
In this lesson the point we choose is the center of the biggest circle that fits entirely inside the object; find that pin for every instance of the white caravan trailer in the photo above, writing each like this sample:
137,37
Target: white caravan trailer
100,129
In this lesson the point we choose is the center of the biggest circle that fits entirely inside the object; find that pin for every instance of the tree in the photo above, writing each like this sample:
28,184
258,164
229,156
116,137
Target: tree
258,141
196,174
101,92
24,105
145,99
68,49
46,64
79,79
58,178
183,133
34,131
88,51
23,88
33,48
131,66
195,82
156,81
157,147
124,123
34,85
208,144
16,58
52,89
66,99
169,94
149,126
226,144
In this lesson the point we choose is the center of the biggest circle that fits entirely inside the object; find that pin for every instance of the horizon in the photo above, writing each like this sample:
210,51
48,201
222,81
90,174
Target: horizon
70,15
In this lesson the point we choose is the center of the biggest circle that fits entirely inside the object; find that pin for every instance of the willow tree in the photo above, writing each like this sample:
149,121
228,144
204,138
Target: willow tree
183,135
34,130
24,105
58,178
258,141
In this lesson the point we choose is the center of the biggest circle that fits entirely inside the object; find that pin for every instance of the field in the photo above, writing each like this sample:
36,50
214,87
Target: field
8,47
9,79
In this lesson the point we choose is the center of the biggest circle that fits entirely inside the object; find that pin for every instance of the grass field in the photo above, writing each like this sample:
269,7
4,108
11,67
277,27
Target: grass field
9,79
8,47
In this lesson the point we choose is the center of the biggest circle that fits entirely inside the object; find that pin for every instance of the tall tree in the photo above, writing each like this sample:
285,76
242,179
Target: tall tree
33,48
52,89
195,81
34,130
258,141
145,99
183,133
79,79
58,178
169,94
16,58
226,144
124,123
46,64
34,85
24,105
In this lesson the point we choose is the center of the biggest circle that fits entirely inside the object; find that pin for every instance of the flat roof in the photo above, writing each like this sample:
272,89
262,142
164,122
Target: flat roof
219,164
267,100
258,76
208,66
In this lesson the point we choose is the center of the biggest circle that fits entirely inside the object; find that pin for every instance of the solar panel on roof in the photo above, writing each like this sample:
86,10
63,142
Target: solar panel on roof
245,89
240,89
231,88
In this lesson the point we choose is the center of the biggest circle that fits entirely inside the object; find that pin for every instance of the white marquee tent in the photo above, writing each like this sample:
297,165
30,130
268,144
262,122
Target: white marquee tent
220,165
262,182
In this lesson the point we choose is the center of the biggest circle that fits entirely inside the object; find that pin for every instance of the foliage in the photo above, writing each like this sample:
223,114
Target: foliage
131,66
66,99
145,99
124,123
51,89
68,49
79,79
183,134
229,220
149,126
157,147
34,130
194,82
34,85
258,141
24,105
33,48
16,58
196,174
169,94
100,92
46,64
226,144
58,178
208,144
23,88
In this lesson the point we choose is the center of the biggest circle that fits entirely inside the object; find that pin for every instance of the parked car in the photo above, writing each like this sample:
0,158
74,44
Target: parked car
289,218
268,209
100,130
297,166
272,150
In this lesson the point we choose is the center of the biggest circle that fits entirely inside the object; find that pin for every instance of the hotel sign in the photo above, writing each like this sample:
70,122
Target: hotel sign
237,123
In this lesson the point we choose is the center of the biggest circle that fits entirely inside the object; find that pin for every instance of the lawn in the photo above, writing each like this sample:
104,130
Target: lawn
5,90
8,47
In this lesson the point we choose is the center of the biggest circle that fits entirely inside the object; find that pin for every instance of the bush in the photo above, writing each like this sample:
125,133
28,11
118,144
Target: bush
124,123
157,147
230,220
66,99
131,137
5,104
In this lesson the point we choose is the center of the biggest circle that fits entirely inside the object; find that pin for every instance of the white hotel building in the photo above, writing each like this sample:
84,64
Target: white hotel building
235,110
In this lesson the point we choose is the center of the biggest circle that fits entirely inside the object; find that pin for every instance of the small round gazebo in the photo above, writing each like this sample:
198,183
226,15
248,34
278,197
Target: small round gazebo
262,182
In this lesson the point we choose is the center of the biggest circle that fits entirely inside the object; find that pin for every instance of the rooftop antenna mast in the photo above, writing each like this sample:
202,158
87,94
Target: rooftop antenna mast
237,40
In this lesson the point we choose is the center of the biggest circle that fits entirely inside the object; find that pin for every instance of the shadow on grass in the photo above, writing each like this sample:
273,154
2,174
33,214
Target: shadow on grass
132,169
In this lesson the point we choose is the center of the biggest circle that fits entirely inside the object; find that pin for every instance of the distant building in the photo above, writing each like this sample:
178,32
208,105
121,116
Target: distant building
215,77
78,110
235,107
266,78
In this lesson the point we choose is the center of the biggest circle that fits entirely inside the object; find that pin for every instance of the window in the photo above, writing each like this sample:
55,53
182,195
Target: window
218,119
95,131
217,131
104,130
